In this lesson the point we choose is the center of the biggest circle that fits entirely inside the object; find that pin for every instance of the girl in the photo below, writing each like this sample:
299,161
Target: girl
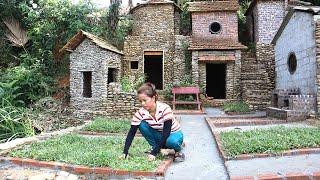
156,123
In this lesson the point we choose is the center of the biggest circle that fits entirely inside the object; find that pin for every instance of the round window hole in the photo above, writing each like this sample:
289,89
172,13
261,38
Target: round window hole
215,28
292,63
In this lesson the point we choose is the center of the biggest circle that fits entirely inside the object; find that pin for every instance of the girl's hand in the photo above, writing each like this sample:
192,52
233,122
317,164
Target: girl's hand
151,157
123,156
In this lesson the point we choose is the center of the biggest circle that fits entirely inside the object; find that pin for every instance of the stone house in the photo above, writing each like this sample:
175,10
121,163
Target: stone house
155,46
216,51
296,60
95,66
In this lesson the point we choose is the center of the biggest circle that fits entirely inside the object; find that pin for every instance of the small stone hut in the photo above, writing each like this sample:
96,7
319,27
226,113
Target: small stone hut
297,61
95,69
216,51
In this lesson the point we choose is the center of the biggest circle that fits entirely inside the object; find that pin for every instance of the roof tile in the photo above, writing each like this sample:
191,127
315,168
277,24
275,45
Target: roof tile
75,41
215,43
205,6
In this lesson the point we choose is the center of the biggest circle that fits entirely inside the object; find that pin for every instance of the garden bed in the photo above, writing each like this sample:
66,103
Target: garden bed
89,155
275,141
105,126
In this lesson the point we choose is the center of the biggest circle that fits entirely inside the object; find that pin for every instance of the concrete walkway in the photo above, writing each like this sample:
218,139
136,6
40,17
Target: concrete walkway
202,158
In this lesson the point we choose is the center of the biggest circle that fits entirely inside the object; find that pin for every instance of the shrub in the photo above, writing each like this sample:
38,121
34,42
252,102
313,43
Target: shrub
236,107
130,85
15,122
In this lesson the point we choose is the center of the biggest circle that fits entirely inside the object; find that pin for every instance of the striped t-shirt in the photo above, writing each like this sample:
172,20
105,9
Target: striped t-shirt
163,113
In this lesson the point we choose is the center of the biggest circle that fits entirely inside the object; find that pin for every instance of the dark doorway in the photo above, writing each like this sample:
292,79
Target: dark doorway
153,69
216,80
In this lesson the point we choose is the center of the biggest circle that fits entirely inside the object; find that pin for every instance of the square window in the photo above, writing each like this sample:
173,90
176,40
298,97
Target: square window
134,64
112,75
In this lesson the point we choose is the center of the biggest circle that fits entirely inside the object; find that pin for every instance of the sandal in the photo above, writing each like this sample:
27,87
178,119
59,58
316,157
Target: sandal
179,157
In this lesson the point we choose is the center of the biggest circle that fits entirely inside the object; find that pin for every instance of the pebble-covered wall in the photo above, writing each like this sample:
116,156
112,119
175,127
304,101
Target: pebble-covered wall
155,29
88,57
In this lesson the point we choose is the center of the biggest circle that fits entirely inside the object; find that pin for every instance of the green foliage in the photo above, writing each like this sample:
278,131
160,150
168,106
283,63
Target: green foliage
8,8
130,85
95,152
236,107
9,93
272,140
185,18
14,122
116,27
185,82
166,93
106,125
51,23
187,60
244,5
126,84
25,84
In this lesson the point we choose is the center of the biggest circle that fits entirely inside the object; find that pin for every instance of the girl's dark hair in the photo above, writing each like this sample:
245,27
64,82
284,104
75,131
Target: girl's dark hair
149,89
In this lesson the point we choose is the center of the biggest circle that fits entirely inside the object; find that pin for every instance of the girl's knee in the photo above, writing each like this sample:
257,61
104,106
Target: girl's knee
174,144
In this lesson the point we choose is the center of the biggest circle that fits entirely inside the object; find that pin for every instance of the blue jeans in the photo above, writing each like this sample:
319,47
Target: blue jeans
153,137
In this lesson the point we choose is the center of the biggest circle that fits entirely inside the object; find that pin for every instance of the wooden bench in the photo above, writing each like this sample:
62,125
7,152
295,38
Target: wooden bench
186,90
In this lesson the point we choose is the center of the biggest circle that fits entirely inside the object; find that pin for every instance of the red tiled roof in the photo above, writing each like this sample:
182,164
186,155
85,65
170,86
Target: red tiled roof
76,40
205,6
215,43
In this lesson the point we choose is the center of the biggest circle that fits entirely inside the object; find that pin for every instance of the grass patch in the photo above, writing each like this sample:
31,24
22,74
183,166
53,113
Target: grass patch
101,124
89,151
236,107
272,140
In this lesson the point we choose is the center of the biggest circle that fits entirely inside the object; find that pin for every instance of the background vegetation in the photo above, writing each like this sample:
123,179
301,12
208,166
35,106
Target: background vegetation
32,34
